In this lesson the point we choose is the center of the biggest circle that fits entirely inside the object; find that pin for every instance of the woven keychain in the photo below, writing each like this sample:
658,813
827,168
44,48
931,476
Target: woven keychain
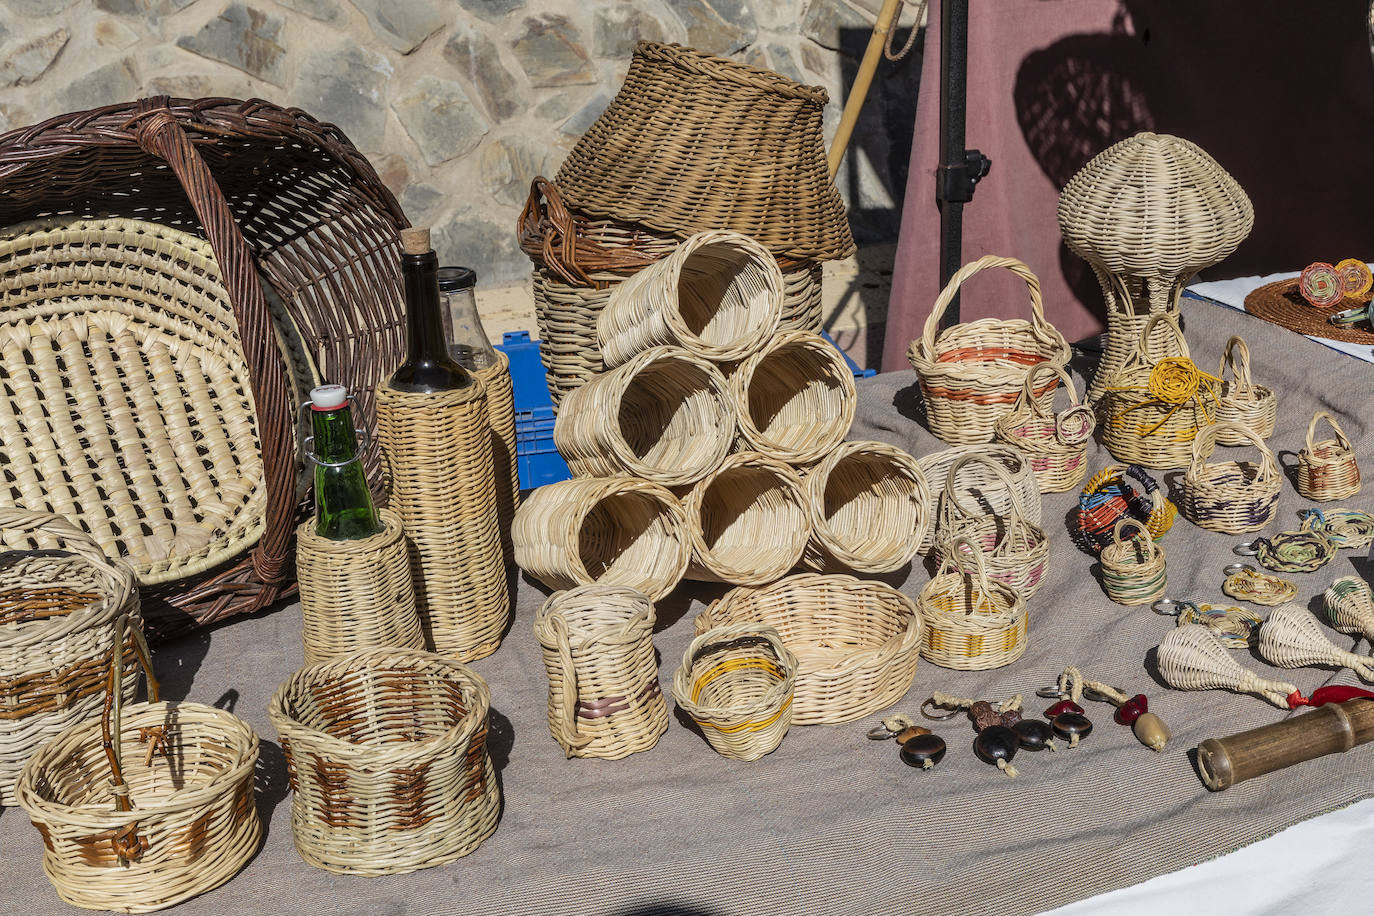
1002,730
1291,638
1245,583
1350,607
1133,711
1346,528
1234,627
1294,551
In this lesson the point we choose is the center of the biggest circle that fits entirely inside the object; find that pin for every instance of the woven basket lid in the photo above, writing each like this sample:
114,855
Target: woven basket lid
1154,205
694,142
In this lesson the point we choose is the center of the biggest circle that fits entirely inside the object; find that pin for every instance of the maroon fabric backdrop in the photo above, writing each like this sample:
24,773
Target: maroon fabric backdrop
1280,93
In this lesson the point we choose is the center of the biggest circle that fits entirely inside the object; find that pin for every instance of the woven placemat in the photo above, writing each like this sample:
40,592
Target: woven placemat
1281,303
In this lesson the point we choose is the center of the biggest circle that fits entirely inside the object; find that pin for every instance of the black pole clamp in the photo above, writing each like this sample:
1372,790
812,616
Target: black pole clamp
955,183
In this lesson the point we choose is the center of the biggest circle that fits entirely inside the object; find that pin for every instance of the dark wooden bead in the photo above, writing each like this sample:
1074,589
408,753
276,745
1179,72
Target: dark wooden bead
1069,724
1034,734
916,751
996,742
1063,706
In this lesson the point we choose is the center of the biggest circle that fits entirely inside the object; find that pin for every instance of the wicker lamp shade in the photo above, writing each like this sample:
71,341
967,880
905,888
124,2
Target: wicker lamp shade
795,397
694,142
749,521
1230,496
870,508
1148,213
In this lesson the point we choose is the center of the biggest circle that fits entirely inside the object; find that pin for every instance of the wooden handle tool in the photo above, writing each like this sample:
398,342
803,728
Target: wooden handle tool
1331,729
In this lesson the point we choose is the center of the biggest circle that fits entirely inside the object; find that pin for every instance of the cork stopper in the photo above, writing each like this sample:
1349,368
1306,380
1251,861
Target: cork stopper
415,240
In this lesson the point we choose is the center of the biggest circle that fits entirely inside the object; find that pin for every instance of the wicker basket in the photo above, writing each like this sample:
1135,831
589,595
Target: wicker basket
611,530
870,508
1151,410
500,391
749,521
1055,444
356,594
178,817
387,754
1327,469
1230,496
666,416
973,373
291,210
604,697
1011,549
795,397
972,622
718,295
53,645
856,641
1242,401
1108,497
979,487
693,143
1133,572
737,683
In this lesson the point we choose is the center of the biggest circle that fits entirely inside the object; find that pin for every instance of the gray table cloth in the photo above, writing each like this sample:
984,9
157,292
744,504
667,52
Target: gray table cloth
832,823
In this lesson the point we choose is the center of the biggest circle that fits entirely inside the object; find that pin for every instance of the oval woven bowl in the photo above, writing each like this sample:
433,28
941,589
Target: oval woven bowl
749,521
856,642
795,397
870,508
131,413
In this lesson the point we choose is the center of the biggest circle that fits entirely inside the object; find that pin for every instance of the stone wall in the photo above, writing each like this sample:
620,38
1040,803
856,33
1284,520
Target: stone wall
458,103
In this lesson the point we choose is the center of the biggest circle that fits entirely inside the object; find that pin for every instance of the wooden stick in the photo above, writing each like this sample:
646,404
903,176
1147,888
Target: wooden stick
862,80
1331,729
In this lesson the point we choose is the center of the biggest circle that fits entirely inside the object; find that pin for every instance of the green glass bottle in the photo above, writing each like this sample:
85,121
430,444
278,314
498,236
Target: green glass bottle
343,502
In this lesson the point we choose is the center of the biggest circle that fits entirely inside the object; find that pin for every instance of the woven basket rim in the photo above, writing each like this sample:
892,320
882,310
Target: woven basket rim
704,64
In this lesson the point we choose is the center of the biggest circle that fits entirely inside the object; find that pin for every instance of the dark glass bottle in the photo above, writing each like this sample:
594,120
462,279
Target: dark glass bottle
343,503
428,366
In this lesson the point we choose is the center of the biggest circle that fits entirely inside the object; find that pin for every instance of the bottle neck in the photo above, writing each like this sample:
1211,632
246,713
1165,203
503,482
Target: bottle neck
335,439
424,319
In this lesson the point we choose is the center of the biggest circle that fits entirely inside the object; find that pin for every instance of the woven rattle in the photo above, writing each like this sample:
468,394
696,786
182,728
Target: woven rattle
1295,551
1191,658
1108,497
1350,607
1242,401
1056,444
1133,571
1327,469
1249,584
1230,496
1291,638
1015,550
1346,528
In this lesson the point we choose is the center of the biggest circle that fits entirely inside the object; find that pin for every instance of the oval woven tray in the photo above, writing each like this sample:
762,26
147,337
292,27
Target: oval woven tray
1280,303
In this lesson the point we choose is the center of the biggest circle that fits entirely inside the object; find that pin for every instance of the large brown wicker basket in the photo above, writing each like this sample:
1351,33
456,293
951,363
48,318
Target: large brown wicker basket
280,197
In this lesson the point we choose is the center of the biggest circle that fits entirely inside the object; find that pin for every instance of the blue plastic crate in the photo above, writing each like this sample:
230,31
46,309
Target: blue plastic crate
535,454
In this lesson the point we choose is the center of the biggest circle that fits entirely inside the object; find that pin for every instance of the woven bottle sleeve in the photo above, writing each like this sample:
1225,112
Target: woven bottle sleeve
501,416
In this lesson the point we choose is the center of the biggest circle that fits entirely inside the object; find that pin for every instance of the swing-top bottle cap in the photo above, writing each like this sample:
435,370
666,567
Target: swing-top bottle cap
328,397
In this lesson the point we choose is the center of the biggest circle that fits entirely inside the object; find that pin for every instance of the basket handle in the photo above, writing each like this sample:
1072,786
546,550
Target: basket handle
1027,394
559,626
998,471
1206,442
1142,535
1237,356
980,574
1341,439
126,846
1142,346
548,227
158,133
986,262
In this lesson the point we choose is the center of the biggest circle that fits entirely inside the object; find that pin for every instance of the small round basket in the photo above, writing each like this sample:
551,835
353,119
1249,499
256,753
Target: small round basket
737,682
1014,550
665,416
387,753
1327,469
795,397
979,487
1230,496
749,521
973,373
856,641
59,600
1055,444
1133,571
145,806
719,295
972,622
604,697
1108,497
607,530
1242,401
870,508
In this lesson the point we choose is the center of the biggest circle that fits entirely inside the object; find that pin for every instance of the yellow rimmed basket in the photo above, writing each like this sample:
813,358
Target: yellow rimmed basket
1133,571
856,641
1242,401
972,622
1056,444
978,486
737,683
1012,549
1230,496
1327,469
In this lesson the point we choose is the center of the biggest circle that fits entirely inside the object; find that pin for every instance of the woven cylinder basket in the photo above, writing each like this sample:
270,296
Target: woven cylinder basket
870,508
795,397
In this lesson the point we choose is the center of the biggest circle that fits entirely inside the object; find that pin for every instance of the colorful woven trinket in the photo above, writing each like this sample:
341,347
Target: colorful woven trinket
1321,285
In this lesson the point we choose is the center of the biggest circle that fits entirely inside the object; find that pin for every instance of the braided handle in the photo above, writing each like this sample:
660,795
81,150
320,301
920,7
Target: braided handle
987,262
1142,346
1237,356
950,563
1018,511
1341,439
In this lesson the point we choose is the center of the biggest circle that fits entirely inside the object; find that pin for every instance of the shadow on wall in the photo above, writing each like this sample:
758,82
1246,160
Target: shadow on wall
1280,94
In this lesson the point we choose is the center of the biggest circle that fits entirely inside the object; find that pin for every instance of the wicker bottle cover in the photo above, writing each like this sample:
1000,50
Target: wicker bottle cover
356,594
501,416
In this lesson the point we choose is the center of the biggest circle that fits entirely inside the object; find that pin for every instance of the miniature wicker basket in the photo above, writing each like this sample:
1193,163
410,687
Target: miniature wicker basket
978,486
856,641
1133,571
1242,401
666,416
870,508
1055,444
387,754
57,621
748,520
1151,410
737,684
719,295
974,372
973,622
795,397
178,817
1011,549
604,697
1109,497
607,530
1230,496
1327,469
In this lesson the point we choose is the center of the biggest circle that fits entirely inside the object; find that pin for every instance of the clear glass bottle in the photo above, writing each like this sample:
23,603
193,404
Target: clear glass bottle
427,367
344,510
467,339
